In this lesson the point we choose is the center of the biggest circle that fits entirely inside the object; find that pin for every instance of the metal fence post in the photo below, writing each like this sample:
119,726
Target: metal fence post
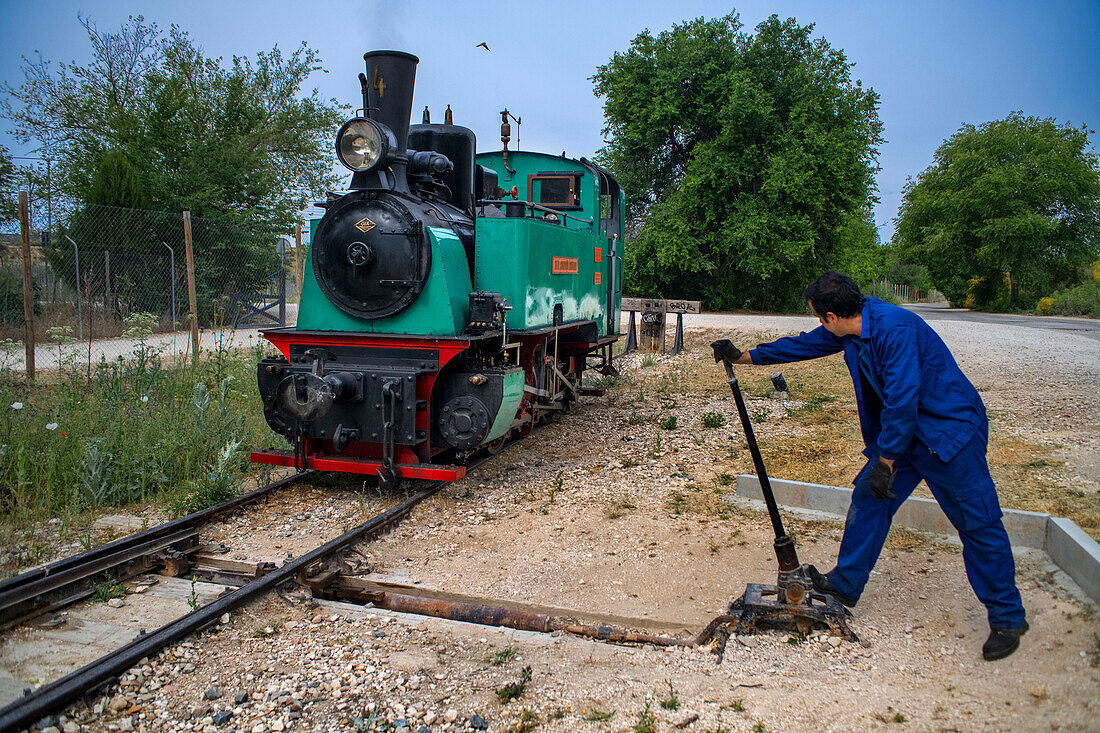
173,253
79,308
28,292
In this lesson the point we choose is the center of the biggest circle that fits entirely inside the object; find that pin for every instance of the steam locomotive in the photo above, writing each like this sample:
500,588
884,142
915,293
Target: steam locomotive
453,299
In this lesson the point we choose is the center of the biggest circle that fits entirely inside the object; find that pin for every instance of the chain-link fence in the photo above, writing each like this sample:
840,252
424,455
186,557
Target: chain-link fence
110,274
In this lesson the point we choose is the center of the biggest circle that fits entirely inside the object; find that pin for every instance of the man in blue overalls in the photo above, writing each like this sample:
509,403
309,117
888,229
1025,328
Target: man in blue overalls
921,418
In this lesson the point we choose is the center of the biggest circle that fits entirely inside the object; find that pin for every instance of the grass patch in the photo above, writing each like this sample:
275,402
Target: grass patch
712,420
619,507
504,655
598,716
668,423
126,432
106,589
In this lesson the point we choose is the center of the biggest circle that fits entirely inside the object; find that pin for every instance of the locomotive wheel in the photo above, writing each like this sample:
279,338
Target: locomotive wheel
496,446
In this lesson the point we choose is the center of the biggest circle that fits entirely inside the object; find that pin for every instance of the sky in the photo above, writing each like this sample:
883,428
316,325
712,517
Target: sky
936,64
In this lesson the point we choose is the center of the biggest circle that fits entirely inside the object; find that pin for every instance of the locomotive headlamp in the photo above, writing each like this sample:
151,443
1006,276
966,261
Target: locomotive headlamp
362,144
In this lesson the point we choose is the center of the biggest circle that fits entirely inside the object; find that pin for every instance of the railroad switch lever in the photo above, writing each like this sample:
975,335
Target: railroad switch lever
792,603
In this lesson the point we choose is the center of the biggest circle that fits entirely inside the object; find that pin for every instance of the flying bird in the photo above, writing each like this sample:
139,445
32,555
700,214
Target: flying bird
484,45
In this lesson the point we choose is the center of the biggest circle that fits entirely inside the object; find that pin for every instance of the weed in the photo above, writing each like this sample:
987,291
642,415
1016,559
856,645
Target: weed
636,418
528,721
629,463
712,420
759,414
193,601
619,507
669,423
648,360
598,716
676,502
758,727
1093,654
656,452
719,729
512,690
647,721
218,484
106,589
737,706
504,655
898,718
672,702
726,479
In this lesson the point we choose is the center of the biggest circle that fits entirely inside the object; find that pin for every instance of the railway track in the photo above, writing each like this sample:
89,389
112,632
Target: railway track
174,547
87,680
167,545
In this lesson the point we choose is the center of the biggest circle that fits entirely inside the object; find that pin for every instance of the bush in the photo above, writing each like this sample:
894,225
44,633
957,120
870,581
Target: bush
1082,300
11,297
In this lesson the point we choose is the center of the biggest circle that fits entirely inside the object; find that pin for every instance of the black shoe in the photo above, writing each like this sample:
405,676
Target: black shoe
1002,642
822,585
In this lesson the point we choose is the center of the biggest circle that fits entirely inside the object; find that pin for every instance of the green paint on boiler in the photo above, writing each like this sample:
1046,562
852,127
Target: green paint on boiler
442,309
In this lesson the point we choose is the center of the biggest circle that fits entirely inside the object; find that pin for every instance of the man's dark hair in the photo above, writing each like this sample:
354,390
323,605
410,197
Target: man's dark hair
834,292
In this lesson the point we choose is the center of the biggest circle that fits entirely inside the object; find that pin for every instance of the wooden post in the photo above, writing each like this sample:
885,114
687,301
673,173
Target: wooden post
298,259
28,290
191,298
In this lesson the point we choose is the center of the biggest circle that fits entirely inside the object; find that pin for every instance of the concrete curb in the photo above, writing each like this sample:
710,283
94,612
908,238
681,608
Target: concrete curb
1067,544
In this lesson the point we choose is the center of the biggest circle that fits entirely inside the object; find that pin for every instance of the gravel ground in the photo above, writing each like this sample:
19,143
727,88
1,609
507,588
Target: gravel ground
592,514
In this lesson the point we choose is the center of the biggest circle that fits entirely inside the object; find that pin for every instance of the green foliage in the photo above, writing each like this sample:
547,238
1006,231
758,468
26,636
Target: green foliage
598,716
11,296
1006,213
669,423
9,186
127,432
647,721
712,420
672,702
150,117
504,655
512,690
1082,300
746,158
106,589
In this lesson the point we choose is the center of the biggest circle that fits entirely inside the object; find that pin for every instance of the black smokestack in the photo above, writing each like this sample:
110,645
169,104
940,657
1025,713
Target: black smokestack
387,97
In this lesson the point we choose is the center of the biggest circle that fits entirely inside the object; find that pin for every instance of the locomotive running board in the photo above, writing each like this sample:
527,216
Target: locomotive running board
429,471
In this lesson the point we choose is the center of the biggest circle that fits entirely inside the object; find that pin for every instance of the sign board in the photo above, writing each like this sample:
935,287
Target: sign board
657,305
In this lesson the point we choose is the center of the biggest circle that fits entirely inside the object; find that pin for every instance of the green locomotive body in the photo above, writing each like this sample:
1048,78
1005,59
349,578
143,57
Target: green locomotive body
451,301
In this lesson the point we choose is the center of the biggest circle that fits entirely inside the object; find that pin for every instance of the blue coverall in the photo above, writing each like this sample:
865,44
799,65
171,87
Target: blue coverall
918,408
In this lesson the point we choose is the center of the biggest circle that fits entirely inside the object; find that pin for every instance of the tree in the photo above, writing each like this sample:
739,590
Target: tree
1006,213
9,189
744,158
152,122
238,141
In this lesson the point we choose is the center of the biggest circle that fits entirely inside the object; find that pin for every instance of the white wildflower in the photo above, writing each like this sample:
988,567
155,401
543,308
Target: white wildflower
17,405
144,398
51,426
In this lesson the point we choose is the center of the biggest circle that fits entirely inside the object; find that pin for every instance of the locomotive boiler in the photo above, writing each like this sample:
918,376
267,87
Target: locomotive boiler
453,300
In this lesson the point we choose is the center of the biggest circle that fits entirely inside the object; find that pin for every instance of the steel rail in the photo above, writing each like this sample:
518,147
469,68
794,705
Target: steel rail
57,695
145,536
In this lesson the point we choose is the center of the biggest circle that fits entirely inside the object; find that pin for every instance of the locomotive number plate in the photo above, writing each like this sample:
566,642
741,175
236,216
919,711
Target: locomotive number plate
364,225
565,266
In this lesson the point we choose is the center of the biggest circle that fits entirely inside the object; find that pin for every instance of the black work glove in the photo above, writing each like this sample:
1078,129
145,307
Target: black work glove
724,350
882,478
